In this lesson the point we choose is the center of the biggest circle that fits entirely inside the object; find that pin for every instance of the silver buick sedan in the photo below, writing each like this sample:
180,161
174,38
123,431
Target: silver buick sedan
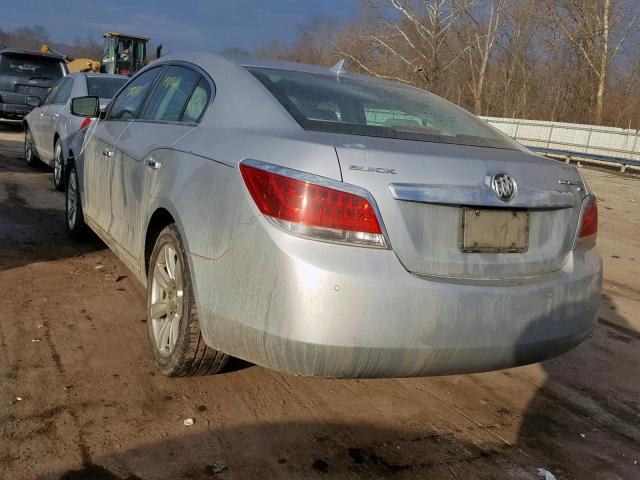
328,224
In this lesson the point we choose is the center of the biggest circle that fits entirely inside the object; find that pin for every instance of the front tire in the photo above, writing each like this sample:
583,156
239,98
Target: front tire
58,168
173,328
74,216
30,156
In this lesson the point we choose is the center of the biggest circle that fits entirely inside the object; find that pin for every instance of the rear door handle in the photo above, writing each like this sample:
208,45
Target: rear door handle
107,153
153,164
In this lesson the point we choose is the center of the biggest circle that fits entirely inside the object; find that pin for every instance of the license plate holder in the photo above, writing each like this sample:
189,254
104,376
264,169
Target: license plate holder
494,230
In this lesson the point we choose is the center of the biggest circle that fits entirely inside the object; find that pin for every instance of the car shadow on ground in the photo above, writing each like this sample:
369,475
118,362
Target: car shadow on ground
582,423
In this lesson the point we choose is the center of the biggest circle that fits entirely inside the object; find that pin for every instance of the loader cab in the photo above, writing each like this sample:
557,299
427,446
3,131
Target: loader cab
123,54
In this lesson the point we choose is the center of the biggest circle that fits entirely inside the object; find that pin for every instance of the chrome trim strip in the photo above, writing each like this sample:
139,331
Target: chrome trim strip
323,182
480,196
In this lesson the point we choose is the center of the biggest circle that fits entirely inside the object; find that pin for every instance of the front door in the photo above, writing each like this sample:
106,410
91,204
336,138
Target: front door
99,152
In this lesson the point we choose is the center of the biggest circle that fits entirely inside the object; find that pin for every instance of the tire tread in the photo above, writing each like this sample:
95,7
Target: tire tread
196,359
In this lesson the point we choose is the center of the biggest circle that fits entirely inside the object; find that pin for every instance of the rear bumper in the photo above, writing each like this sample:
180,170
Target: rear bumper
12,110
317,309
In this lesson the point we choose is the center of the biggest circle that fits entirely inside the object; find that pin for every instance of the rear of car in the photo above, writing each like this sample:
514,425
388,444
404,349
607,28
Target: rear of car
445,248
25,73
335,225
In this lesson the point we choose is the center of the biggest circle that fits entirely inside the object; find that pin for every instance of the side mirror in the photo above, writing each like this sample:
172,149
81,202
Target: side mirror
33,101
85,107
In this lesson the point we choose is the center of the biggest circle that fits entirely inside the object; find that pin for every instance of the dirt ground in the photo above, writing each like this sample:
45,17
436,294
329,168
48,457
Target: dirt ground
80,399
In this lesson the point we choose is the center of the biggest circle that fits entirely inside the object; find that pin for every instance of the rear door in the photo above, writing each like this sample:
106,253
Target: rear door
175,105
50,118
100,148
37,120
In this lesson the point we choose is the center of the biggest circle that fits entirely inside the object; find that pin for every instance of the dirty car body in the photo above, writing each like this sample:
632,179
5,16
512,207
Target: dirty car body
335,229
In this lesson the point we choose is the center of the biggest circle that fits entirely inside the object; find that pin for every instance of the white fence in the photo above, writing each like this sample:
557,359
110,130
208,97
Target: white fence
616,143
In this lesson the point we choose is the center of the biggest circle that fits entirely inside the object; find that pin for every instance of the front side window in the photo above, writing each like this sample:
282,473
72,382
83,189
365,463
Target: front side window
128,103
171,94
357,106
109,50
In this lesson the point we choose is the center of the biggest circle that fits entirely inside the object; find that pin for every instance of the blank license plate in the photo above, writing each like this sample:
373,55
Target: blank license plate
494,231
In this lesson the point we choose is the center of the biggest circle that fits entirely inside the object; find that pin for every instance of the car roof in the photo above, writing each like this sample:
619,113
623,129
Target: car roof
209,61
280,65
35,53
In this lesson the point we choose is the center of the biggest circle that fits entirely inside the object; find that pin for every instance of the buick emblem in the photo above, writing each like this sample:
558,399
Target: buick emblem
504,186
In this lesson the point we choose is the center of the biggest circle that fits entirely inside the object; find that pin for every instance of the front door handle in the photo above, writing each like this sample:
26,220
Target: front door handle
153,164
107,153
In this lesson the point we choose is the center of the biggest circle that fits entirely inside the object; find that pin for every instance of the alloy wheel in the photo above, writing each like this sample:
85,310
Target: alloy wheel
28,149
57,165
72,199
167,292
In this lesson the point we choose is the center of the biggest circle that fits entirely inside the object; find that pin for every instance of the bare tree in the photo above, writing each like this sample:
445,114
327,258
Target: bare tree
597,30
418,37
32,37
481,38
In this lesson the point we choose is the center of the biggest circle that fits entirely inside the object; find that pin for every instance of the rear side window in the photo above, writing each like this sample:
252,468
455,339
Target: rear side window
104,87
128,103
198,102
30,66
171,94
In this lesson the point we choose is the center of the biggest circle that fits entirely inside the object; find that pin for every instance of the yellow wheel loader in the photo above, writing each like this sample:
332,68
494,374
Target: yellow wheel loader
122,54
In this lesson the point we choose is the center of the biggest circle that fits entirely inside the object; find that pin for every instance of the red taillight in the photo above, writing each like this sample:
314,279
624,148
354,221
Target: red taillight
86,122
314,210
589,224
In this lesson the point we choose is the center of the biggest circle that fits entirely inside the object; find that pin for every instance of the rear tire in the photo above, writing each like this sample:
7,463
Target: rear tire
74,216
29,150
173,329
58,168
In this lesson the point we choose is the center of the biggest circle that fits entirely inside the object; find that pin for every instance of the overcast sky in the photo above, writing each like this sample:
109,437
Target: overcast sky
178,24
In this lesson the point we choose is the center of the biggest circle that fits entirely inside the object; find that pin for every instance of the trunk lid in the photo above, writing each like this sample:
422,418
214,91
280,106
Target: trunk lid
421,187
15,88
23,75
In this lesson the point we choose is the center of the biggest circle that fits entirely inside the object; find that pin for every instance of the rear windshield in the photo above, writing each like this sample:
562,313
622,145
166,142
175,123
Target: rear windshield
104,87
328,103
30,66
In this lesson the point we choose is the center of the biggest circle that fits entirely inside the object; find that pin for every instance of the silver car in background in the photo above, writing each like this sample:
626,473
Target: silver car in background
335,225
51,122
